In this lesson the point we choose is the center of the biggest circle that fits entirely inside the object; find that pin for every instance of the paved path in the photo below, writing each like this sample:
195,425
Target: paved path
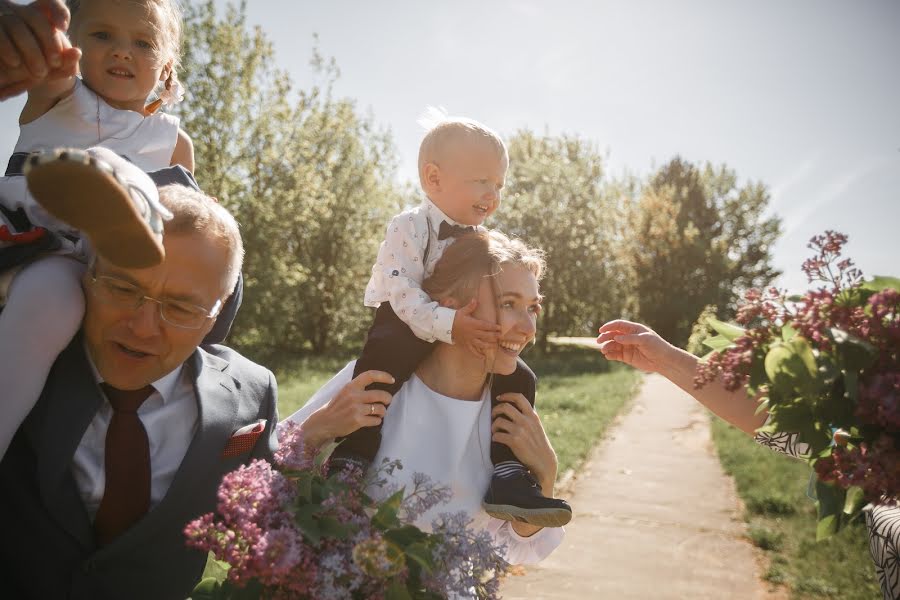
655,516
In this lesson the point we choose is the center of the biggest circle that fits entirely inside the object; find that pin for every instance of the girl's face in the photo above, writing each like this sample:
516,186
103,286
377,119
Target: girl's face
122,53
513,301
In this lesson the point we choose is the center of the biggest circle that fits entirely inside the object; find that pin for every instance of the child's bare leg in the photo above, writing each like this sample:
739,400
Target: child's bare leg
44,308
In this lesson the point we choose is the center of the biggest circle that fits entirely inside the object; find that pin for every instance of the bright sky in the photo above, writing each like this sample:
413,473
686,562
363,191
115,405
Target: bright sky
802,95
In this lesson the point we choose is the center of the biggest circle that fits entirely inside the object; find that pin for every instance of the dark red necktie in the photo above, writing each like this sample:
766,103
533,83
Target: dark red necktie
126,497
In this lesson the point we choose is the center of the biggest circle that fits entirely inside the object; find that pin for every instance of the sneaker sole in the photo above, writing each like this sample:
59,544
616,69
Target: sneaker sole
76,190
541,517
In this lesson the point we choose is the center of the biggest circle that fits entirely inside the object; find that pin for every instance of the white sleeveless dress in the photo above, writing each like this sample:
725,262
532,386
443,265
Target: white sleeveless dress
82,120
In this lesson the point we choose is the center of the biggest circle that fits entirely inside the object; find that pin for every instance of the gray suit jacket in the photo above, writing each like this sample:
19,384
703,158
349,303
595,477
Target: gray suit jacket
49,551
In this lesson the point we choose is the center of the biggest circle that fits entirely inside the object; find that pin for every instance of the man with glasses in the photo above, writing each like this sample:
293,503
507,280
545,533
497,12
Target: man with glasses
136,424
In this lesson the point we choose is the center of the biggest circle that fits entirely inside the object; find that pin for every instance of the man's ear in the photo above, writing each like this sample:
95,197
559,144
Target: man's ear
431,177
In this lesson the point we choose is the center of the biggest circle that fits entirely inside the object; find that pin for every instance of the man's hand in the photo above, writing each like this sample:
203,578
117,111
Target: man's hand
635,345
475,334
33,45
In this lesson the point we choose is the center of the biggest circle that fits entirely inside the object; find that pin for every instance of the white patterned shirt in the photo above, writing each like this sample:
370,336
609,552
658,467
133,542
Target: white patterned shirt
402,266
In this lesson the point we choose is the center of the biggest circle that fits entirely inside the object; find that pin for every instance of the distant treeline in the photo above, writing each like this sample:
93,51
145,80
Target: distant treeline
312,181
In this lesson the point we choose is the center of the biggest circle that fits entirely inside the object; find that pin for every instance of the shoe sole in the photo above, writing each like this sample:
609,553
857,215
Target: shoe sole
541,517
91,199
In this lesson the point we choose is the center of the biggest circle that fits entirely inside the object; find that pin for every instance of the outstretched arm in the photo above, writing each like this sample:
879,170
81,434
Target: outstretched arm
642,348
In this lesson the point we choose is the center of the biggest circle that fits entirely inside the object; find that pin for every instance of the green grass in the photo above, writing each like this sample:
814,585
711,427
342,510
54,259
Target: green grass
782,522
577,398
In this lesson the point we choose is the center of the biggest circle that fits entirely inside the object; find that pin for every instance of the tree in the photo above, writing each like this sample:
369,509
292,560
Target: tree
696,238
309,179
556,199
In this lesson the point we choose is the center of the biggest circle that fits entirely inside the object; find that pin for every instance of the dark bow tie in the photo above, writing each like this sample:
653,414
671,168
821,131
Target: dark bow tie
447,230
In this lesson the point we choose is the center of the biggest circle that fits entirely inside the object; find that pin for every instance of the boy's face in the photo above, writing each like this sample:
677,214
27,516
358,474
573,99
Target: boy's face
466,185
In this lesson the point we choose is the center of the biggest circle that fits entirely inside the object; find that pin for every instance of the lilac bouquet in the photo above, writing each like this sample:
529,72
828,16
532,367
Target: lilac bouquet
825,365
289,531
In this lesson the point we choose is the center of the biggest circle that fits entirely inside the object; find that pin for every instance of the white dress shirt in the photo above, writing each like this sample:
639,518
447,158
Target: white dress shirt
169,416
402,266
449,440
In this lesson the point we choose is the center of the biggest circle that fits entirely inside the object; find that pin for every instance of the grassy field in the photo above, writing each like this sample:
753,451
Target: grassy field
578,395
781,521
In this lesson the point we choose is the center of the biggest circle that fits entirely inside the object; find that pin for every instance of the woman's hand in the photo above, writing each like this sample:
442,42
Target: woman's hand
353,407
635,345
515,423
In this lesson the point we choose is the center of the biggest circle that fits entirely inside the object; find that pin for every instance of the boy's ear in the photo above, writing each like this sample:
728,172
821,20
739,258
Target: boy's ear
431,175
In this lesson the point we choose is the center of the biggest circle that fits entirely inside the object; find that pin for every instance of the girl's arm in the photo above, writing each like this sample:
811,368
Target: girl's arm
184,151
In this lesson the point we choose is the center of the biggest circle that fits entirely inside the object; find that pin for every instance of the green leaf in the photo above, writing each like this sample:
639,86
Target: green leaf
791,366
855,354
727,330
762,407
405,536
208,589
717,343
396,590
332,528
830,502
215,569
854,502
882,282
325,453
422,555
386,516
304,516
788,332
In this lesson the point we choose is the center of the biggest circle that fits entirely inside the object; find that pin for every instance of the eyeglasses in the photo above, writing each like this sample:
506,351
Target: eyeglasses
122,294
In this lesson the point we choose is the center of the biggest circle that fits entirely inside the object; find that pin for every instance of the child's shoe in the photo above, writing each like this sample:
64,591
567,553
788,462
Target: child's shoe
516,496
110,200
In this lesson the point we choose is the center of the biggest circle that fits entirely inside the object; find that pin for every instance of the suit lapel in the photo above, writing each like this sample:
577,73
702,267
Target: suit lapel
67,406
196,481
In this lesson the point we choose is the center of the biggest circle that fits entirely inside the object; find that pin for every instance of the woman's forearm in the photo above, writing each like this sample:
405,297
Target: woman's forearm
314,433
736,407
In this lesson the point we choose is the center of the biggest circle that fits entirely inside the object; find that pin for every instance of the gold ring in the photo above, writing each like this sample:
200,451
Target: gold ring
372,409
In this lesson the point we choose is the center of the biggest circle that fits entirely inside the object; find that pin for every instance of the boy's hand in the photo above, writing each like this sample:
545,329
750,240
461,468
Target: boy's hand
33,45
475,334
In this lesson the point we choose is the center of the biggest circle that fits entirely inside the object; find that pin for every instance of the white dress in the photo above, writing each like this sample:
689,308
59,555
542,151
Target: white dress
83,120
448,440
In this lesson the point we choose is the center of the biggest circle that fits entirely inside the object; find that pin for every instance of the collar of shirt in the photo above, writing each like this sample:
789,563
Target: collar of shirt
165,386
436,215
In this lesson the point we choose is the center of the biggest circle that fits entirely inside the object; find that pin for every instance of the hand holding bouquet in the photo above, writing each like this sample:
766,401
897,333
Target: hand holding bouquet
288,531
825,365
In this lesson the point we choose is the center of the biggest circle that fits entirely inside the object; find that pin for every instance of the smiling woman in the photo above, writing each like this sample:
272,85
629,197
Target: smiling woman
441,422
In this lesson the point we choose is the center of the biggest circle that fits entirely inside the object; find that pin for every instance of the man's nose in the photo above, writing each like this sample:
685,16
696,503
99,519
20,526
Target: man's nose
144,321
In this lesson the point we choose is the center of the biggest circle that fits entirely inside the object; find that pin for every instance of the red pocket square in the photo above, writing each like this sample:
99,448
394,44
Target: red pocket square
243,440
